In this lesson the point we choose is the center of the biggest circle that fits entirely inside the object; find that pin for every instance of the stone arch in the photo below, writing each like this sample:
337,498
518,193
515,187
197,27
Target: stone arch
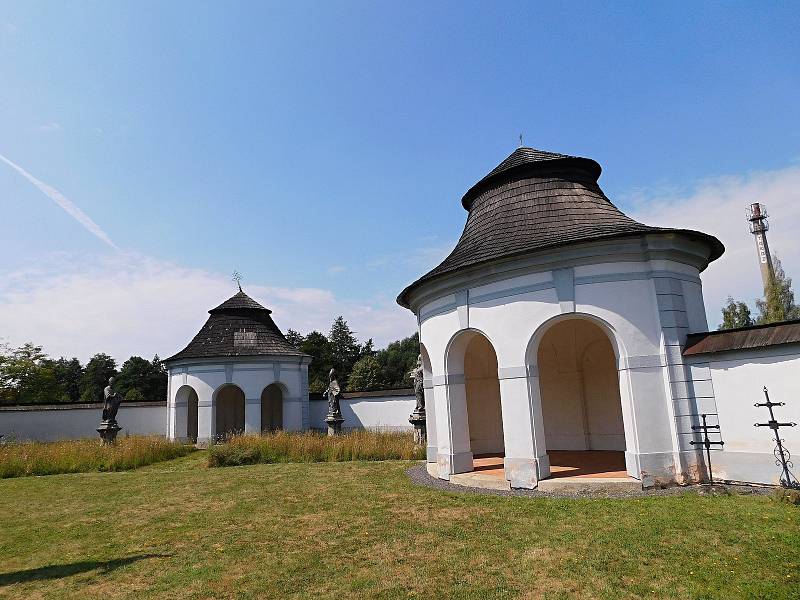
229,405
474,393
583,395
186,401
272,398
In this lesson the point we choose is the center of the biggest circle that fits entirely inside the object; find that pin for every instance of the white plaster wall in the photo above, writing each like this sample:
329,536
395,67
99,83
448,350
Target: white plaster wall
738,378
251,377
378,412
71,422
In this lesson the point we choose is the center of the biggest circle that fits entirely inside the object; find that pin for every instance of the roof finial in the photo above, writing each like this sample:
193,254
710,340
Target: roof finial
520,140
237,277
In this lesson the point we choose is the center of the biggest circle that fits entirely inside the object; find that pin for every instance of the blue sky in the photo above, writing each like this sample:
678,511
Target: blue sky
322,148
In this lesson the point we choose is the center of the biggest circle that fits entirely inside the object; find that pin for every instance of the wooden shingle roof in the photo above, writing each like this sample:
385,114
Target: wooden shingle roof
743,338
240,326
536,200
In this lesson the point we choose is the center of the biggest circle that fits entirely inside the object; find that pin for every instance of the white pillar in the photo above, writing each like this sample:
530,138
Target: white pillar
430,421
452,425
520,455
252,415
205,420
540,447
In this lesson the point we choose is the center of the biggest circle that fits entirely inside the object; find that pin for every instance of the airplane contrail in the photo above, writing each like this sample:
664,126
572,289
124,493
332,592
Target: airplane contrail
64,202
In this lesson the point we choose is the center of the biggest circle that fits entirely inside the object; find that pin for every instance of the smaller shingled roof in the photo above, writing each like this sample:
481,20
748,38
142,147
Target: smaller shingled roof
743,338
240,326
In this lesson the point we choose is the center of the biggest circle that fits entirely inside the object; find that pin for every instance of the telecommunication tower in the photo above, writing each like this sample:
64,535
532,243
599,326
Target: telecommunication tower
759,225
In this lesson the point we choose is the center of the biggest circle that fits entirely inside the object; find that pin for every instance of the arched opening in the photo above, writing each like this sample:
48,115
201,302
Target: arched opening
229,412
186,413
272,408
580,399
475,410
484,414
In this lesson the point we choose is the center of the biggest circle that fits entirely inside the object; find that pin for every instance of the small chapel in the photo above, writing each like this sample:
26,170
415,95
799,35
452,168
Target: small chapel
562,334
237,375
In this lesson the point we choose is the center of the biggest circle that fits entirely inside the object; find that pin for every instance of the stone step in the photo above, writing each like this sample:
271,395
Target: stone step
570,485
480,480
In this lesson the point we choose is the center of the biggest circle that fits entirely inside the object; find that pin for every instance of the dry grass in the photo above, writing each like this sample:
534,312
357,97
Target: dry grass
296,447
20,459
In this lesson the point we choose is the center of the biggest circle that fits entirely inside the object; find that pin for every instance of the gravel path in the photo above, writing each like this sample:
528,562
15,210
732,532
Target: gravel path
419,476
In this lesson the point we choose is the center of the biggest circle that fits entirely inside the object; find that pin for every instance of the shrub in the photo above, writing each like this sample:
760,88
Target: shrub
19,459
283,447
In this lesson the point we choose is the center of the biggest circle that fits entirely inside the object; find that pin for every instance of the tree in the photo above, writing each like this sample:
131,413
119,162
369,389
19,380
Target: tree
95,377
397,359
68,373
778,303
26,375
735,314
345,349
294,338
147,378
316,345
367,374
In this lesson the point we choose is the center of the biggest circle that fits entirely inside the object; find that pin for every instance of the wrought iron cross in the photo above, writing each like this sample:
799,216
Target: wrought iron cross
782,457
237,277
707,443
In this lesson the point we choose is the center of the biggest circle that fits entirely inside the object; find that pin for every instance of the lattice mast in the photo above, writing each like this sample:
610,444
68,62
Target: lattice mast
759,225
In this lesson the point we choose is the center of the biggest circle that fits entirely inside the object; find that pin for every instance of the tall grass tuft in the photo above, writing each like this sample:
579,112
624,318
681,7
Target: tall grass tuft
286,447
19,459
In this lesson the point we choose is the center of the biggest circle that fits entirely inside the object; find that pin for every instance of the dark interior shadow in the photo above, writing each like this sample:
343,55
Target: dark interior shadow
59,571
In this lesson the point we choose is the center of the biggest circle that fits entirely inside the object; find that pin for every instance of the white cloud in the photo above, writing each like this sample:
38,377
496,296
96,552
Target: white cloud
717,206
48,127
336,269
64,202
130,304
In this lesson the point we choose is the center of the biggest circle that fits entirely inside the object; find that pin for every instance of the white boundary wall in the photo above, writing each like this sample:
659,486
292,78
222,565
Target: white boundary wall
738,378
368,412
76,421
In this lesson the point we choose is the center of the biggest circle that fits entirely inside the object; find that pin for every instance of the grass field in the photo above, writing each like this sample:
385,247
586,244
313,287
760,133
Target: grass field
361,529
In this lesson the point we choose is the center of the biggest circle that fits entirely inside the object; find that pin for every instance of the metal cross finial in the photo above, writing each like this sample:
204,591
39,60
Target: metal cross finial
237,277
520,140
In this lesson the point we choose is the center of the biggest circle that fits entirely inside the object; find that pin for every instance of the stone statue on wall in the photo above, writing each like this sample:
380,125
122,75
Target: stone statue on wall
111,401
334,417
333,392
419,385
108,426
418,418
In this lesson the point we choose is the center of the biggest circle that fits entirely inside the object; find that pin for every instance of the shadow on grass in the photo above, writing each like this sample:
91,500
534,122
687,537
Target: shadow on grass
59,571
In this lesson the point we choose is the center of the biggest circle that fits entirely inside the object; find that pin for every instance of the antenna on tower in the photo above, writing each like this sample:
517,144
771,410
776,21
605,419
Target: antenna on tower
759,225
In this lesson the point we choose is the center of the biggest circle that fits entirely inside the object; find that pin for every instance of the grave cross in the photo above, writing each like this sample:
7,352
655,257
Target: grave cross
782,457
707,443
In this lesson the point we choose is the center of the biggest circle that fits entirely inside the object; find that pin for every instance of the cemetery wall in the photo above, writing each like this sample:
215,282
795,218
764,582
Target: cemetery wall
383,409
75,421
738,378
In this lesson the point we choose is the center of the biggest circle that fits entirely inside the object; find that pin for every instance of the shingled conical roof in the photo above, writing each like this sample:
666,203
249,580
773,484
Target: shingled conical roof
240,326
536,200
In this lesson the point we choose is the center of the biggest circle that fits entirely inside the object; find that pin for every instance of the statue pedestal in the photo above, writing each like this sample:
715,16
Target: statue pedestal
417,419
108,431
334,421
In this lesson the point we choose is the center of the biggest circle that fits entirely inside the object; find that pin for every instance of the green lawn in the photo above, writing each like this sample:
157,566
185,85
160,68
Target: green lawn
353,530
